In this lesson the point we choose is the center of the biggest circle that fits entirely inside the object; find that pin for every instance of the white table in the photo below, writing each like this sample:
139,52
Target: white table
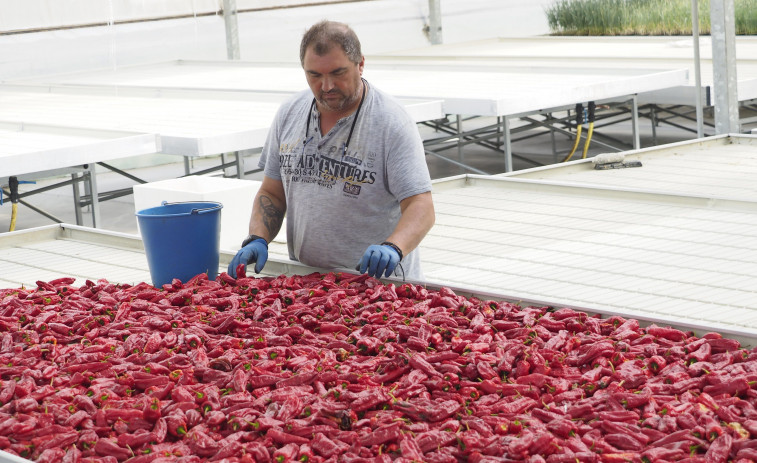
596,52
603,53
29,151
505,92
189,122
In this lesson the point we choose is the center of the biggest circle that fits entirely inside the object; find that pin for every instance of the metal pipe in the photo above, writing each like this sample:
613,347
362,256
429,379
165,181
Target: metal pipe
232,29
697,68
460,154
434,22
91,177
635,123
77,199
507,148
722,19
121,172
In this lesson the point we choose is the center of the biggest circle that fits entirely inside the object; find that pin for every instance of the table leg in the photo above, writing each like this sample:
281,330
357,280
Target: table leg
77,198
636,138
92,180
240,164
507,148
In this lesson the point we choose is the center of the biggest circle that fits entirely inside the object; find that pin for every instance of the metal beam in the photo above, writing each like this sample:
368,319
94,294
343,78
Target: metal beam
232,29
435,21
723,30
697,67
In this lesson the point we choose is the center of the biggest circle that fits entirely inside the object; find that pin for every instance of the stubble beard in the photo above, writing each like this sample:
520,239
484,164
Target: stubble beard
342,104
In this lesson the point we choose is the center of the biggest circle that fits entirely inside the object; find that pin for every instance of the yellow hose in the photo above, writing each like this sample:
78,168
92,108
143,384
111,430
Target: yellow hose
575,145
14,211
588,139
13,186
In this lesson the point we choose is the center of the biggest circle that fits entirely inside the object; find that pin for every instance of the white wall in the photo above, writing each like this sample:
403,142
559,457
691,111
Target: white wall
41,14
21,15
267,35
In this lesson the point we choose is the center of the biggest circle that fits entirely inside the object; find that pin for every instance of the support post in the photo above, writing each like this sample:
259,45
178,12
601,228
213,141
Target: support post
507,149
77,198
435,21
723,31
697,68
635,122
232,30
91,177
240,164
460,154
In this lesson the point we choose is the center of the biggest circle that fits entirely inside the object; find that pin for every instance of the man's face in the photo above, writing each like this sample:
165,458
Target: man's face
333,79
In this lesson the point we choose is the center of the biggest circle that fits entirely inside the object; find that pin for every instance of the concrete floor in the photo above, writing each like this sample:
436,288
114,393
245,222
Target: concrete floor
119,214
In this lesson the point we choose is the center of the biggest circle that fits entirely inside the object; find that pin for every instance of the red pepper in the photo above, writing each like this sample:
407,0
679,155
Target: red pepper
577,457
751,426
382,435
712,427
719,449
59,440
630,416
176,425
306,454
686,420
369,399
749,454
520,447
513,407
151,410
410,449
286,453
107,448
730,386
626,457
417,362
623,441
593,351
666,332
280,437
631,400
326,447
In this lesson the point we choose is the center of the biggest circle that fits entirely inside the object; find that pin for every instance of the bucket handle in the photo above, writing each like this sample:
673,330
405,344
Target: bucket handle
194,211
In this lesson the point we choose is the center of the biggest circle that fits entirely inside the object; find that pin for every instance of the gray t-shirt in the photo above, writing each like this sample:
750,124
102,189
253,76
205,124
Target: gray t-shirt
340,203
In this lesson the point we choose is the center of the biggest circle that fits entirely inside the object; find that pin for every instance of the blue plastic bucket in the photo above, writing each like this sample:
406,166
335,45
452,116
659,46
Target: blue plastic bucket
181,240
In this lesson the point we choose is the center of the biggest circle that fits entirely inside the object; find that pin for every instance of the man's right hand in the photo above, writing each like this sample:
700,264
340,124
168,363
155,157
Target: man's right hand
255,251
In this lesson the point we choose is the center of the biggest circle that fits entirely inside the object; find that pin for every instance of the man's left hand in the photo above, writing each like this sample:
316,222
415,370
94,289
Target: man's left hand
378,259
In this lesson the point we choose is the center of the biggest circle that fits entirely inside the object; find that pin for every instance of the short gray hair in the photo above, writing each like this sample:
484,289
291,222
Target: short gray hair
325,35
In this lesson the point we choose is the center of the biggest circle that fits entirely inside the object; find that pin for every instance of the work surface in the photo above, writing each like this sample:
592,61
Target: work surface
55,147
723,167
598,53
682,256
189,123
482,91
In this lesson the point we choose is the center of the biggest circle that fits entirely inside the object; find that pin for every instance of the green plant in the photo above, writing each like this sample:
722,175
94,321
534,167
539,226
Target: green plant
641,17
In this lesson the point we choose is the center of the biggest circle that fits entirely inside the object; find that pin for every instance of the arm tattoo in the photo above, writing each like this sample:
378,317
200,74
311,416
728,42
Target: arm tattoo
272,216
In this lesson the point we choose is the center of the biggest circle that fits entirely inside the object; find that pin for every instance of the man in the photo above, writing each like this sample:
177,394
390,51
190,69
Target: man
346,163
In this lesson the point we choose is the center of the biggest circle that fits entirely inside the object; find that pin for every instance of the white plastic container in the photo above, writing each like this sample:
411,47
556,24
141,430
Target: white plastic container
236,195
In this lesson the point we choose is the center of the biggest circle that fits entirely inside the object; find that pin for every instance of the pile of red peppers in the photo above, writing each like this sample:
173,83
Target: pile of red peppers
339,367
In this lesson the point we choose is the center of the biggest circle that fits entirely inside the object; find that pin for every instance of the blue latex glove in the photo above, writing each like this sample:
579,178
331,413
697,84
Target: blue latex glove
378,259
255,251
